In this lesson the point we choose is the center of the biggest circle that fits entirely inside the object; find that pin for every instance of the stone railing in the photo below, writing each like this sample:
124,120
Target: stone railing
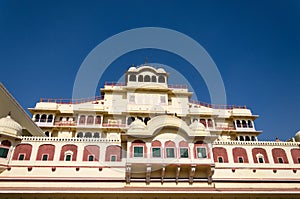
57,139
257,143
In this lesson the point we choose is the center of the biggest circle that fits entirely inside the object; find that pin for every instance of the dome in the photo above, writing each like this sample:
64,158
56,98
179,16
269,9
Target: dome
161,70
197,126
131,69
297,136
10,127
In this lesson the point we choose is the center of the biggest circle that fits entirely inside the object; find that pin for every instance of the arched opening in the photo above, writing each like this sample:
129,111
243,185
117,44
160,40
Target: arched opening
96,135
88,135
98,120
37,118
247,138
140,78
161,79
153,78
147,78
47,133
50,118
238,123
244,124
250,124
146,120
82,119
80,135
132,78
130,120
90,120
43,118
6,143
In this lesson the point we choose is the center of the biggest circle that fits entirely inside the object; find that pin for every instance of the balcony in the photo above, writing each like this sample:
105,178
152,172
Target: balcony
113,125
64,123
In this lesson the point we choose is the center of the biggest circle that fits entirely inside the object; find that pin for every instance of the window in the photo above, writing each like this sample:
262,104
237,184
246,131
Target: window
153,78
88,135
82,119
261,159
280,160
201,152
45,157
113,158
132,78
50,118
47,133
3,152
184,152
220,159
6,143
203,121
162,99
96,135
130,120
170,152
37,118
132,99
98,120
138,151
299,160
252,138
250,124
43,118
156,152
244,124
241,160
91,158
80,135
242,138
90,120
161,79
146,120
247,138
238,123
209,123
21,157
68,157
140,78
147,78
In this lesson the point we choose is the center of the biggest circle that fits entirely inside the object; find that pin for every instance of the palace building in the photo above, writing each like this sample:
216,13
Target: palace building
141,139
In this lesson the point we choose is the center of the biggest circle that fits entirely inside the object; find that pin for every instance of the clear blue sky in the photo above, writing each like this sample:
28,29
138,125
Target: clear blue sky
255,44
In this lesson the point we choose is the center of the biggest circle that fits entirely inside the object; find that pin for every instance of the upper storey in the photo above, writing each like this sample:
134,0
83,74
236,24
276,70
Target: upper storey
146,76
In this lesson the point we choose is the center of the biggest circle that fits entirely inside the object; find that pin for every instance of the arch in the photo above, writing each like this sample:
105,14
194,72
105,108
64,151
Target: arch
140,78
220,152
147,78
98,119
239,152
257,151
132,78
201,150
146,120
238,124
184,151
6,143
91,150
22,149
250,125
113,151
43,118
203,121
96,135
247,138
242,138
88,135
46,149
37,118
82,119
130,120
156,149
278,155
47,133
50,118
80,135
153,78
295,155
68,148
138,148
210,123
170,149
244,124
161,79
90,120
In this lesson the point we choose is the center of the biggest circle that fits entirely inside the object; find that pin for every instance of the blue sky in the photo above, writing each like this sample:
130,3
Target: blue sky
255,44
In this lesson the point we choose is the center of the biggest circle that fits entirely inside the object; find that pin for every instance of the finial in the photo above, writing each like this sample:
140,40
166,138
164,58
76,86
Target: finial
146,61
132,65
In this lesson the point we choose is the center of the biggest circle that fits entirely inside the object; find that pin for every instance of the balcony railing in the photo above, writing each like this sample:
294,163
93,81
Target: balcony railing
114,125
71,101
217,106
65,123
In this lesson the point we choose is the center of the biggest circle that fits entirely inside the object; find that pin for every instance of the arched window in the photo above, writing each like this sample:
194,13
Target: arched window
88,135
247,138
90,120
170,149
203,121
140,78
147,78
239,155
22,152
279,156
43,118
242,138
50,118
238,123
140,118
156,149
250,124
258,153
91,150
260,158
252,138
132,78
153,79
82,119
220,159
146,120
218,153
161,79
37,118
68,152
130,120
80,135
98,120
47,133
45,149
96,135
244,124
113,153
6,143
183,149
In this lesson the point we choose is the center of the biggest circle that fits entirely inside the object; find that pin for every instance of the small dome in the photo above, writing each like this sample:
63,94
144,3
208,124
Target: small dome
161,70
132,69
10,127
137,124
297,136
